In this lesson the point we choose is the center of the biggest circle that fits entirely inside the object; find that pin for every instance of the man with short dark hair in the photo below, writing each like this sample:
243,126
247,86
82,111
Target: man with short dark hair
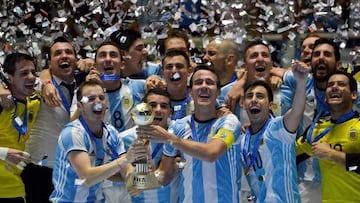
329,140
50,121
16,124
84,147
207,143
268,151
134,55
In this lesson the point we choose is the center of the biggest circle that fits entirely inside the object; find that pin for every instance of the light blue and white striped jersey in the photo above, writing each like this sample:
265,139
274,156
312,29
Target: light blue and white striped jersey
151,68
68,186
183,107
121,101
162,194
202,181
272,177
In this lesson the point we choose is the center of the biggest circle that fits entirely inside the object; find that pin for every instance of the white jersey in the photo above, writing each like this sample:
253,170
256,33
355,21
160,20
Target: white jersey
272,176
202,181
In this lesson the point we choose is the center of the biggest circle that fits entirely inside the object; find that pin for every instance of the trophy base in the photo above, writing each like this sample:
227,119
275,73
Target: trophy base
142,181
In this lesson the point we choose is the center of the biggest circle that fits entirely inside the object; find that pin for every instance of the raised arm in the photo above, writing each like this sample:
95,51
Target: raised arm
48,90
236,92
293,116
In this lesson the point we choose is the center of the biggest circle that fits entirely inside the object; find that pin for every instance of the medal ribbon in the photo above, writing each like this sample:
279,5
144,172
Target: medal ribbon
342,119
63,98
178,114
109,77
246,147
206,132
113,154
22,129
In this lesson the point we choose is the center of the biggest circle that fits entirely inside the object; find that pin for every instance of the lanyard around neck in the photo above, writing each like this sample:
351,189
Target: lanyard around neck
178,113
253,154
20,125
62,95
113,154
342,119
206,132
109,77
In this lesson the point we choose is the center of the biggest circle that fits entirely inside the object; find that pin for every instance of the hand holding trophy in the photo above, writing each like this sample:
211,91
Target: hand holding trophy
142,179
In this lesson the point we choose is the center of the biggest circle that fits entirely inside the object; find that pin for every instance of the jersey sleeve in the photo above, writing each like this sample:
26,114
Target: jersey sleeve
228,129
72,137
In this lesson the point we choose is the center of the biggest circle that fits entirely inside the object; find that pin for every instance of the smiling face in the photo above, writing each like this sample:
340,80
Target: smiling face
135,57
323,62
257,104
216,56
92,106
62,61
338,93
161,107
307,48
258,62
23,81
108,60
175,72
204,90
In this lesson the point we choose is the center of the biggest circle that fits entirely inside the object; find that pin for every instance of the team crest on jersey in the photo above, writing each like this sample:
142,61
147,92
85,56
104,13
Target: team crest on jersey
353,135
127,102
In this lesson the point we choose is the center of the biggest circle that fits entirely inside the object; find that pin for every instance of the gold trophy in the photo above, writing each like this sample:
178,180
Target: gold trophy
142,114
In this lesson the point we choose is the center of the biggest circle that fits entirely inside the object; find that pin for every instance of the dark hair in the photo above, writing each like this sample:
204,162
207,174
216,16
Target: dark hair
352,80
87,83
329,42
254,43
263,84
13,59
61,39
173,34
175,52
205,66
157,91
125,38
108,43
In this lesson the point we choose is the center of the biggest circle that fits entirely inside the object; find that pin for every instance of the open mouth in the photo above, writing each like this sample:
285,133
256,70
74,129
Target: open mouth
157,118
260,69
204,96
175,77
254,110
29,86
64,65
307,60
322,67
335,95
109,68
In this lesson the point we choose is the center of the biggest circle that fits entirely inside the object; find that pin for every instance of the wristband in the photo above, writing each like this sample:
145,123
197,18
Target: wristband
3,153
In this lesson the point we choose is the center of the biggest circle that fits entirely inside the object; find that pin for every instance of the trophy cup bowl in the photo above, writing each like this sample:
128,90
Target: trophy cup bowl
142,179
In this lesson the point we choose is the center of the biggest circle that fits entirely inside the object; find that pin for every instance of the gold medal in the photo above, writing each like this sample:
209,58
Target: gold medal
247,171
